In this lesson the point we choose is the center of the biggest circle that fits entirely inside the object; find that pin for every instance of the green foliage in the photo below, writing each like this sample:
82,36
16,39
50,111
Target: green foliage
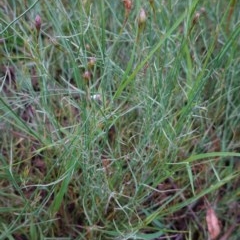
112,131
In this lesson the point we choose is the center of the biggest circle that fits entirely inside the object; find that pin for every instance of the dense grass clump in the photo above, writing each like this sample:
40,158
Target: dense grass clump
119,119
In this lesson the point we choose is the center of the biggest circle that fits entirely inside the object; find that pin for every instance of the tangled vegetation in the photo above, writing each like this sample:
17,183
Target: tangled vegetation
119,119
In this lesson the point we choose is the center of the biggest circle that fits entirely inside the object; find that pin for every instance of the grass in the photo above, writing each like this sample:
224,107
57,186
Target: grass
112,129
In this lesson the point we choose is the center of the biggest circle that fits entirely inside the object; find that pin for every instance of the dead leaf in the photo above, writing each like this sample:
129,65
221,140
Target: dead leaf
212,224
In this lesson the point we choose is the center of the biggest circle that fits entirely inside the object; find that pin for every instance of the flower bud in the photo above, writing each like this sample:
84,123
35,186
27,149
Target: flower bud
142,17
87,76
127,5
38,22
196,18
88,47
202,10
91,62
153,6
